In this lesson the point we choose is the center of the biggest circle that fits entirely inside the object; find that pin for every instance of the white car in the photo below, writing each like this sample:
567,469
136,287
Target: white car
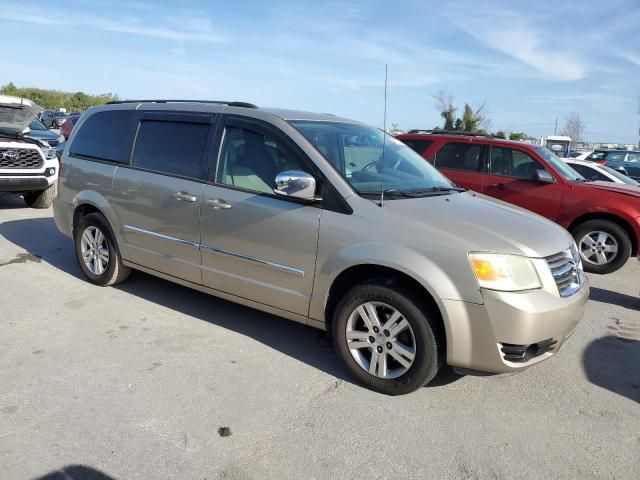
28,167
594,171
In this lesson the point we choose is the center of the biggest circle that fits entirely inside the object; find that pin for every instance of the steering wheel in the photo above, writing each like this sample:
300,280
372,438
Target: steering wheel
378,163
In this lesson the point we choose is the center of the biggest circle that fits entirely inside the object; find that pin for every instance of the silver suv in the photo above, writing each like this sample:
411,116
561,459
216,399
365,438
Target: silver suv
324,221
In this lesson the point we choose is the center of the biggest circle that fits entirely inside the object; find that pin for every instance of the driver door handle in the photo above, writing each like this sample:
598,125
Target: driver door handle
498,186
185,197
218,204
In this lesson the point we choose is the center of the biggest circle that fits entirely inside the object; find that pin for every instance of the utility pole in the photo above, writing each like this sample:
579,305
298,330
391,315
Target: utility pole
555,129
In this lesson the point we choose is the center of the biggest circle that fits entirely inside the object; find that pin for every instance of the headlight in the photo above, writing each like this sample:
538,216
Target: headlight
509,273
50,153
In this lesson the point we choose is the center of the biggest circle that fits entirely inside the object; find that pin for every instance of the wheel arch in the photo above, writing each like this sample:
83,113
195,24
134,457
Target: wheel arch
363,273
621,222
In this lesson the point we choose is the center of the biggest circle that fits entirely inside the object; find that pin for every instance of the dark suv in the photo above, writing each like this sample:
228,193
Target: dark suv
604,218
624,161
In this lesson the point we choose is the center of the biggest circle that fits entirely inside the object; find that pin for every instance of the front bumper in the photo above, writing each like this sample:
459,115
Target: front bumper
24,184
485,337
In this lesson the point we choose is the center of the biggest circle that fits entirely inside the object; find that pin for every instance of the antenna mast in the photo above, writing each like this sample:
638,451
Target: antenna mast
384,135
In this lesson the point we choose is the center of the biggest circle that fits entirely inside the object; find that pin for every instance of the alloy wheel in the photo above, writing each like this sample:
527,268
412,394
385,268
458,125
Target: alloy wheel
598,248
94,250
381,340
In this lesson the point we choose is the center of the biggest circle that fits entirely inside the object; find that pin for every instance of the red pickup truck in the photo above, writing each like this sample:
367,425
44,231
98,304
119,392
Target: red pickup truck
604,218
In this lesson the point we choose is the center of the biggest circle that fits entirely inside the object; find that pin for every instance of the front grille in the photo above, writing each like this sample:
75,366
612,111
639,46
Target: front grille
20,158
566,268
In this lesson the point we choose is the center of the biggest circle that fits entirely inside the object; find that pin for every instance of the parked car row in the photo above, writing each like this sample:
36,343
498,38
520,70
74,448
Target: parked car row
626,162
603,217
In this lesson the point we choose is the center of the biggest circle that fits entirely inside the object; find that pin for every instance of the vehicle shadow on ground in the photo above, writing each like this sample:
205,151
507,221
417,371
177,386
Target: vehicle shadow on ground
76,472
614,298
11,202
613,363
42,240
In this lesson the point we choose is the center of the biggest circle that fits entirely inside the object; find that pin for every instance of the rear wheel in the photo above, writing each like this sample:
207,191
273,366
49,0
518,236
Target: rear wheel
97,251
604,246
388,338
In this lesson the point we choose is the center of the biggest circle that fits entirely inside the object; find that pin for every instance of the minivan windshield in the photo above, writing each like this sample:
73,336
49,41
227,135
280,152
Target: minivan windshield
559,165
356,152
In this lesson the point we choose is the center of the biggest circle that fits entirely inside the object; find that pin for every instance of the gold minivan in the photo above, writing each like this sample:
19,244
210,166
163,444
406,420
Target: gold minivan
324,221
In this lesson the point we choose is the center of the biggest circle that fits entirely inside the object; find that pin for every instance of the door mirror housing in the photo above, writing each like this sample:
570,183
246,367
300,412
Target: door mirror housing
543,176
296,184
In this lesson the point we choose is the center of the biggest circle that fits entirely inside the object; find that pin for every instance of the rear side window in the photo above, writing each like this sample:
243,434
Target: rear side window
106,136
460,156
589,173
176,148
418,146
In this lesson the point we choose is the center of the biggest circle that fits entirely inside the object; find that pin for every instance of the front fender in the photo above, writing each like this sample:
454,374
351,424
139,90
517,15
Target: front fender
434,279
100,203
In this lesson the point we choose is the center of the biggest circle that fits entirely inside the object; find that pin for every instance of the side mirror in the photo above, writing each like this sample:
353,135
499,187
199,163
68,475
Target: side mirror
543,176
296,184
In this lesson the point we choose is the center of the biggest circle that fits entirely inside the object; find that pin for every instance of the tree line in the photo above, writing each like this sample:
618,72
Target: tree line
56,99
475,119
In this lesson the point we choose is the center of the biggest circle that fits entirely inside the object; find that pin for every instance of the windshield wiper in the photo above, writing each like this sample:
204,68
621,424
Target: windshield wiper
390,193
437,190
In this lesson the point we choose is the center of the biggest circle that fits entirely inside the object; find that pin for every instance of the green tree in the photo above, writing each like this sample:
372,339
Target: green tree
469,121
500,134
458,124
519,136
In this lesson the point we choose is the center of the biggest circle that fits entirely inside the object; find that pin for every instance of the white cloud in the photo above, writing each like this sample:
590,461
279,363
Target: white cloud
507,33
190,31
631,57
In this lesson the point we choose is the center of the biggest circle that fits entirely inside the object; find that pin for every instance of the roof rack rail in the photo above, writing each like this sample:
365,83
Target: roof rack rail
218,102
450,132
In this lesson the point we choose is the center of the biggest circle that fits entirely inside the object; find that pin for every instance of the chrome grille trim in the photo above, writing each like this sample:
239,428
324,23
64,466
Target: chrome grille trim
566,268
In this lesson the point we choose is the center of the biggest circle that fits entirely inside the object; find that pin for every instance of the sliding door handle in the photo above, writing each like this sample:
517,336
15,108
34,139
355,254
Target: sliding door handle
218,204
185,197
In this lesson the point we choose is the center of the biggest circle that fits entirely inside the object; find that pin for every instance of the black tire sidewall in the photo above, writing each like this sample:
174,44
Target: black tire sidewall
97,220
624,244
428,351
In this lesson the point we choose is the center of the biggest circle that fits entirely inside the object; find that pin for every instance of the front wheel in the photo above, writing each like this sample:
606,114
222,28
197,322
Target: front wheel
388,338
604,246
97,251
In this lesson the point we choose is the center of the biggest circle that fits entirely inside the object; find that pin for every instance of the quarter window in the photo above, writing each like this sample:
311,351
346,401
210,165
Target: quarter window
176,148
251,160
460,156
507,162
106,136
418,146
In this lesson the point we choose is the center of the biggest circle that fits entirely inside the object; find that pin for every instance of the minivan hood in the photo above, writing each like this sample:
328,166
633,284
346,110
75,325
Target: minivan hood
482,223
614,187
16,114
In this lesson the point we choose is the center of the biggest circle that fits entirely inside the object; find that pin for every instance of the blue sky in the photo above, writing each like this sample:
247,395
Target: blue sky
531,61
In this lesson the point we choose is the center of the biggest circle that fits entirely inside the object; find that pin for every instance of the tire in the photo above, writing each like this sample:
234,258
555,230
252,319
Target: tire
423,332
43,199
614,236
95,270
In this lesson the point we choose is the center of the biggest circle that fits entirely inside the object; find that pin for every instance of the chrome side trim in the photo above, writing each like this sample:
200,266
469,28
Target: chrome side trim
276,266
130,228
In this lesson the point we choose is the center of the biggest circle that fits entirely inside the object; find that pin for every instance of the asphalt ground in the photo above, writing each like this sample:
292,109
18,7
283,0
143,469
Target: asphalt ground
151,380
